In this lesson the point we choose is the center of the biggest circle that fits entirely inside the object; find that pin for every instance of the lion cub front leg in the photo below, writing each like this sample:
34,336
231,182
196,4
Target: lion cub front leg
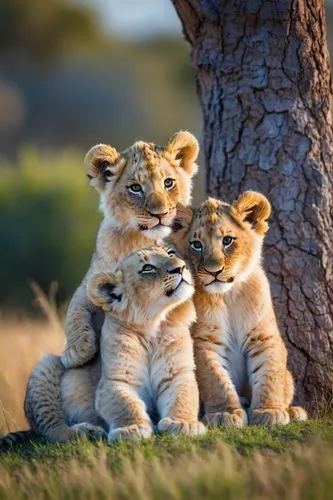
81,342
177,394
118,394
267,364
217,391
125,412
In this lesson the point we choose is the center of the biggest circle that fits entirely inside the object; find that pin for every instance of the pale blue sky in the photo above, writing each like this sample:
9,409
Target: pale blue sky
138,18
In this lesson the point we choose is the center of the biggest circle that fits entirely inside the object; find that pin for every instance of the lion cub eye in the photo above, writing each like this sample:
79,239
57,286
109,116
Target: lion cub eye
169,183
148,268
135,188
196,245
227,241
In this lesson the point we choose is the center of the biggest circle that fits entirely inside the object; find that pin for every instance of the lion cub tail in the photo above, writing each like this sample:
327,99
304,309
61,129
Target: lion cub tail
14,438
43,403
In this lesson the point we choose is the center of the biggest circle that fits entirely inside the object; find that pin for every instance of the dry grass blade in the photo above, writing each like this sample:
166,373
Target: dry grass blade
22,346
47,304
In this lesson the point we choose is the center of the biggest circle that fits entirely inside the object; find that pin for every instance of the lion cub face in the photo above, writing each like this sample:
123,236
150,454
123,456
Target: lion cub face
147,284
140,187
222,241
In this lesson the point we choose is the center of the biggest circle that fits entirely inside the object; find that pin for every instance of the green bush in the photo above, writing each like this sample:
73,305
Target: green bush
48,224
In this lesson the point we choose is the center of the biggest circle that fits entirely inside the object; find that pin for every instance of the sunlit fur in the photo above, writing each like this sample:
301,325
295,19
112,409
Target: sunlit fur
131,221
151,210
240,355
141,373
120,233
143,297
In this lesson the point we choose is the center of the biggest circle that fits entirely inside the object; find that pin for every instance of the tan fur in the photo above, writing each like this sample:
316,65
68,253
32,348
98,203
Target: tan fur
240,355
141,373
132,220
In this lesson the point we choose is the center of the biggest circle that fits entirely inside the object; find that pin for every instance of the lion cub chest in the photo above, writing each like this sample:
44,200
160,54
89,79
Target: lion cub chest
114,244
223,329
134,360
150,373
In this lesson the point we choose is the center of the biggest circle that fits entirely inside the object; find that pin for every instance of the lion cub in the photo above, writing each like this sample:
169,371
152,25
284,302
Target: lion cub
139,191
144,372
239,352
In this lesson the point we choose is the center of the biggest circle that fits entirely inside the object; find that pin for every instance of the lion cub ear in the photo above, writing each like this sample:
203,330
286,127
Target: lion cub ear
183,146
102,165
254,208
106,290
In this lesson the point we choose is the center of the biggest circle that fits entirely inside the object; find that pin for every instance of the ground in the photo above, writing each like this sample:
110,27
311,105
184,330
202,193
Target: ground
292,462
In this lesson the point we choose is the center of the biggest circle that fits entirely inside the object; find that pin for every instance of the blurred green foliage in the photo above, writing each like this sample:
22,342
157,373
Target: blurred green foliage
43,31
48,224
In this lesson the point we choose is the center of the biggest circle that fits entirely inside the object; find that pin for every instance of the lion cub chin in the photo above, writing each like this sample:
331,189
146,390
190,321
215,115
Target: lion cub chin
240,355
143,372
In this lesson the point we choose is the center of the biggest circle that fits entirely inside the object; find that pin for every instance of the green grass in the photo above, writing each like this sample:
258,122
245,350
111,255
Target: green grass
295,461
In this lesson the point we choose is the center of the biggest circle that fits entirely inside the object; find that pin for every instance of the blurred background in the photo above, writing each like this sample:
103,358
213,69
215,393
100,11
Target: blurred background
73,73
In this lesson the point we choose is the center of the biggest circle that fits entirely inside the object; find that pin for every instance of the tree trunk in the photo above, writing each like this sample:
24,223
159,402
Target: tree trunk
264,84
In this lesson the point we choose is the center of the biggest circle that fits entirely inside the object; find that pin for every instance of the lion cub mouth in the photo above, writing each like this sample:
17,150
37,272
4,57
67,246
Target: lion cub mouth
171,291
215,280
144,227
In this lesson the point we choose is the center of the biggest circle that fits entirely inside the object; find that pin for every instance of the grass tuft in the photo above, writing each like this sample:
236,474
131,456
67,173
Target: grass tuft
292,462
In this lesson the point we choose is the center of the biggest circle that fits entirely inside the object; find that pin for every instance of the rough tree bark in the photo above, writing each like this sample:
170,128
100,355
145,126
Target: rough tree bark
264,84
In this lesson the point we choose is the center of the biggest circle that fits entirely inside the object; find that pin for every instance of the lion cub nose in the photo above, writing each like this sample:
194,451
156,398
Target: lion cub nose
214,270
177,269
156,213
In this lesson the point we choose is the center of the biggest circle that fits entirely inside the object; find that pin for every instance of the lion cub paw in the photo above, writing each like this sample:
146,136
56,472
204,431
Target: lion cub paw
134,432
177,427
89,430
269,416
297,413
234,418
73,359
